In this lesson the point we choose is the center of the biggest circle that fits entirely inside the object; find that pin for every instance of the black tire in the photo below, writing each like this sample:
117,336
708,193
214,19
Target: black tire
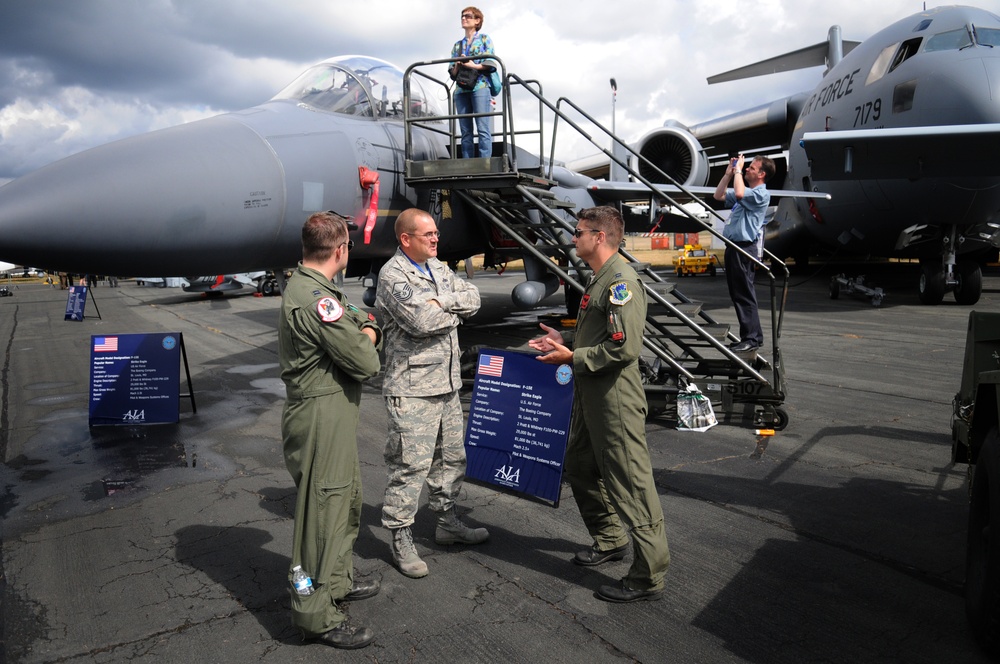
970,282
834,288
780,419
469,361
931,286
268,287
982,554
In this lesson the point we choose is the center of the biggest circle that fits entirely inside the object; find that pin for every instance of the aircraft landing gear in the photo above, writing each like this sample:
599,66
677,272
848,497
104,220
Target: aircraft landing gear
932,282
961,276
371,285
970,282
964,278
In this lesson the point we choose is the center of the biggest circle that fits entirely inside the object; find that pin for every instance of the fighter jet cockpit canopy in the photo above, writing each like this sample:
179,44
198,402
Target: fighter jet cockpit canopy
359,86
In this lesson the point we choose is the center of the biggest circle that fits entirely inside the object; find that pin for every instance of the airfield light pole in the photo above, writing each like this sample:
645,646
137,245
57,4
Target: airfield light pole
617,172
614,100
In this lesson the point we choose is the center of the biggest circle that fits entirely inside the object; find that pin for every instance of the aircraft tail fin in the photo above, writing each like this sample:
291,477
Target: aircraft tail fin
827,53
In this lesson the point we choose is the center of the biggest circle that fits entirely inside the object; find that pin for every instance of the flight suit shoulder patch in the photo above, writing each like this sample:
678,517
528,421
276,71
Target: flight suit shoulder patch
619,292
329,310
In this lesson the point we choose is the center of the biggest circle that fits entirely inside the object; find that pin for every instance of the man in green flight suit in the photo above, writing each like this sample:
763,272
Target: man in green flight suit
607,462
326,347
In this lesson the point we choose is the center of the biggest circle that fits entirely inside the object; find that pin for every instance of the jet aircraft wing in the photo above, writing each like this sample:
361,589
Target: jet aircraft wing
904,153
617,192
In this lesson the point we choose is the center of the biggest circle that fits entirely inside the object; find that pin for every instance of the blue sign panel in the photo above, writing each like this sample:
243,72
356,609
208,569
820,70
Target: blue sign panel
134,379
75,303
519,423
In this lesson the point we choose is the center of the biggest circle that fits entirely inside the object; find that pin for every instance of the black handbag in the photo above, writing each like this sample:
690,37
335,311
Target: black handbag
466,77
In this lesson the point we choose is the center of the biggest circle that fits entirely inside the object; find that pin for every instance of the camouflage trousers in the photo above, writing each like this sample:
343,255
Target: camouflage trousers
425,444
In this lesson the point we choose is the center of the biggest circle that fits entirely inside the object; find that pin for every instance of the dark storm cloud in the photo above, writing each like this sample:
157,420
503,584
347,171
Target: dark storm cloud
156,50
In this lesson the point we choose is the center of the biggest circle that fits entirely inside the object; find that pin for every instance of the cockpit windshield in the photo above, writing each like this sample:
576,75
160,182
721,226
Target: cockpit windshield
987,36
952,40
358,86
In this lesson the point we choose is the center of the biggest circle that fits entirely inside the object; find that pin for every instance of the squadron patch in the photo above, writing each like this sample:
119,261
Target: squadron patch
620,294
402,291
329,310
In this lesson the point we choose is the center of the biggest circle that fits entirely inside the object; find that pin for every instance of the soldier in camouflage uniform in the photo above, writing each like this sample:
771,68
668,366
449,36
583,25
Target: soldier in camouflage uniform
607,461
422,303
326,348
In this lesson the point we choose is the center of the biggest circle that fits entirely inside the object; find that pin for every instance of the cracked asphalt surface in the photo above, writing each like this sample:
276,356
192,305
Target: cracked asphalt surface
839,539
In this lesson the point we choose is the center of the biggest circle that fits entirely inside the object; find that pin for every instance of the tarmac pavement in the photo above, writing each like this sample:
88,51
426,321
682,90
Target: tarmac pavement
840,539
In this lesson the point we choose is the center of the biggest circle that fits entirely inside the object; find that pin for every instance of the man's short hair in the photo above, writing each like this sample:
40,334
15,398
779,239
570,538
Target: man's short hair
767,166
605,218
322,233
406,222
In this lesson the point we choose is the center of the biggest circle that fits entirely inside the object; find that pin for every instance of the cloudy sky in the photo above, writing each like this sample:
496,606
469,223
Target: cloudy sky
79,73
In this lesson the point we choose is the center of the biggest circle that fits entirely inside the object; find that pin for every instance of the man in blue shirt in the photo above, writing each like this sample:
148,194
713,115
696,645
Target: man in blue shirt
748,199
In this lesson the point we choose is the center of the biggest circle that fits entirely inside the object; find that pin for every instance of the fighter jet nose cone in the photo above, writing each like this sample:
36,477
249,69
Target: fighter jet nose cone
149,204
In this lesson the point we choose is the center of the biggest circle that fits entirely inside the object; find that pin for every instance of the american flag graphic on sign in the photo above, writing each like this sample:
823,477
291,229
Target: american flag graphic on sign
491,365
105,344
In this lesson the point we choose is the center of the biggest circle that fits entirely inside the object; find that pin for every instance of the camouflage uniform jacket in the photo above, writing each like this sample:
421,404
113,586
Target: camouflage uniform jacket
322,350
422,355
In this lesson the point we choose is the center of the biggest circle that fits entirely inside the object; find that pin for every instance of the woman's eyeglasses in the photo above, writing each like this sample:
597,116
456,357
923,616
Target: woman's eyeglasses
468,16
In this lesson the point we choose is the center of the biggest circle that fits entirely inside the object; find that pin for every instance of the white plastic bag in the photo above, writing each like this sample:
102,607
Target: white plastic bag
694,410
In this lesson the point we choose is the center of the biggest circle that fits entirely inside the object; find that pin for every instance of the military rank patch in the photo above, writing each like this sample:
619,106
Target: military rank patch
329,310
620,294
402,291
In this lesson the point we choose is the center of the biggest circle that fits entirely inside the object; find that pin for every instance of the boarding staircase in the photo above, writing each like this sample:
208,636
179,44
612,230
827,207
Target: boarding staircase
512,194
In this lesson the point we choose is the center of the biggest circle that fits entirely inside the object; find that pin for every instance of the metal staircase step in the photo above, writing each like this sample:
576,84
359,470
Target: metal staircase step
660,314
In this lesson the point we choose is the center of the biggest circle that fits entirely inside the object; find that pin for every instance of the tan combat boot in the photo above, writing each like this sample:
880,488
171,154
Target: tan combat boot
404,553
450,530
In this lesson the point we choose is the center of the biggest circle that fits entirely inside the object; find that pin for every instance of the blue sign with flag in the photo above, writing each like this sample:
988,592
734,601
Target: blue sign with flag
134,379
519,422
76,302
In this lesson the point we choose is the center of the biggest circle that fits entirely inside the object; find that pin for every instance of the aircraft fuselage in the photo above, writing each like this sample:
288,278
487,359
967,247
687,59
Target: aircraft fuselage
924,71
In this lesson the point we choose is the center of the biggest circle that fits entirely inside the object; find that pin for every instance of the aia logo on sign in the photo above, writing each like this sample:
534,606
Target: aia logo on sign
508,474
134,416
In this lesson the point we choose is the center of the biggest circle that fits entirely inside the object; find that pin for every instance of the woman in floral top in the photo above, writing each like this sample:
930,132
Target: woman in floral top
476,99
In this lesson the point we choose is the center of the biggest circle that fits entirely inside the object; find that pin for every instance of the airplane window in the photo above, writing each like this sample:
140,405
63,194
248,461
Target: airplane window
881,65
330,88
906,51
902,96
952,40
359,86
987,36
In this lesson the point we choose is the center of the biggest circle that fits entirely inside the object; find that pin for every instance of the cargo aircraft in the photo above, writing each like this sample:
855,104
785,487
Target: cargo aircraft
903,131
897,131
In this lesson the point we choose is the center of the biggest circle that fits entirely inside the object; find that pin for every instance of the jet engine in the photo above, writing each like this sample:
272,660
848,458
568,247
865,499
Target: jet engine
675,152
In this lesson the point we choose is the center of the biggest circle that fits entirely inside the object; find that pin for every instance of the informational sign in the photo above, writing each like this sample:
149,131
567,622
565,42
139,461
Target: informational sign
75,303
519,423
135,378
